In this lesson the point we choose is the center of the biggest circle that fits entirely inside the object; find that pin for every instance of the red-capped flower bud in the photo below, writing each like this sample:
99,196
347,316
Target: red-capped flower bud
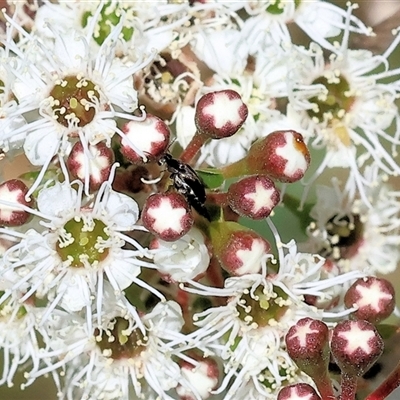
167,215
96,167
355,345
374,297
254,196
12,194
298,391
307,344
239,250
150,136
203,378
220,114
282,155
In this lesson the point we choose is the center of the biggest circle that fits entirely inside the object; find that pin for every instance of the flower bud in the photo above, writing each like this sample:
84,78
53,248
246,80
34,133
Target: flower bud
307,344
12,194
374,297
150,136
96,167
253,197
220,114
282,155
298,391
355,345
239,250
167,216
203,378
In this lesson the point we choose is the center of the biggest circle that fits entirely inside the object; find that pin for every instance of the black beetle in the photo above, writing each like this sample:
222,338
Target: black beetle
186,182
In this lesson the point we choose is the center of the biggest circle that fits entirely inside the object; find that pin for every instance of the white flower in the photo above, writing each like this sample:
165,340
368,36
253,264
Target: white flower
79,244
346,108
70,90
353,235
248,333
119,358
18,337
319,20
146,25
184,259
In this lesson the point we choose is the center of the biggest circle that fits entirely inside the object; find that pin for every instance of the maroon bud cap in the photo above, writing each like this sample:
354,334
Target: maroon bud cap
355,345
203,378
282,155
12,196
374,298
95,167
298,391
220,114
253,197
167,216
307,344
239,250
150,136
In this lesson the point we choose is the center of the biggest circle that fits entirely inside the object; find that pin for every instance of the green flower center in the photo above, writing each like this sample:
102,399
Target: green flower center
82,243
117,343
5,310
277,7
108,19
262,307
287,372
333,106
336,103
74,100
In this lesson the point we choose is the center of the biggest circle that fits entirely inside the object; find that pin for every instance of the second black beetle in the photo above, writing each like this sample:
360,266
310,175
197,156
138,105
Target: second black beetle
186,182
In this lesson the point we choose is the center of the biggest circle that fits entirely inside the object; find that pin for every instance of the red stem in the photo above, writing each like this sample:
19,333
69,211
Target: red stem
193,147
349,386
214,273
387,386
220,199
183,300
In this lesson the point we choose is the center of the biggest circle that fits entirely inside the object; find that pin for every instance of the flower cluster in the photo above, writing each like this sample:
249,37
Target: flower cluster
162,233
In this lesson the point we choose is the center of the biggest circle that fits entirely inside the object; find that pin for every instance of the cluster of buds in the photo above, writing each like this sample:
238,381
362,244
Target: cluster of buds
281,156
354,344
165,236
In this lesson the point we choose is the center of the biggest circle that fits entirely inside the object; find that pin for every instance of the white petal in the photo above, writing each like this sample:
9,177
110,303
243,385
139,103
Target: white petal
123,210
57,200
40,145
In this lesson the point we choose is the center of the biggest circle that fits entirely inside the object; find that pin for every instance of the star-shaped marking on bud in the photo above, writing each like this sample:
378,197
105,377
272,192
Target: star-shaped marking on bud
150,136
12,194
220,114
302,331
262,197
298,391
166,216
357,338
251,258
294,157
96,167
373,295
224,110
373,298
